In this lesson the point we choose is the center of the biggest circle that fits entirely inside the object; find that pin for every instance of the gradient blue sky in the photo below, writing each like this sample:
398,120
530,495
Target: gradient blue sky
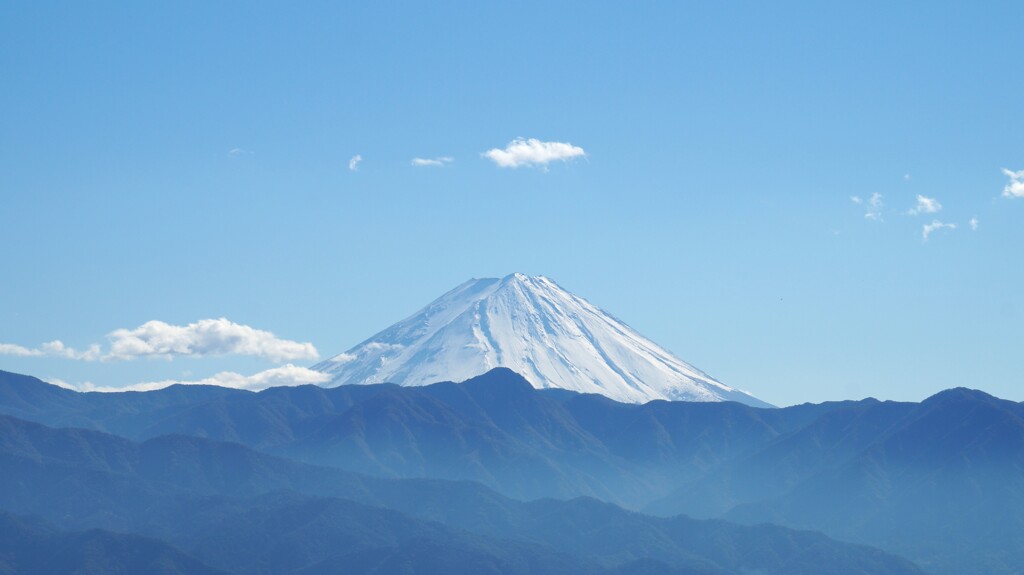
177,161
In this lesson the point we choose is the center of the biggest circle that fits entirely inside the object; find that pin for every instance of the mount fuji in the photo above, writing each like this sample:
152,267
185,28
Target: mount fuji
531,325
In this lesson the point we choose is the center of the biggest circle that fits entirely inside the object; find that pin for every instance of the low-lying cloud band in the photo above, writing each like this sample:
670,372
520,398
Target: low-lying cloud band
206,337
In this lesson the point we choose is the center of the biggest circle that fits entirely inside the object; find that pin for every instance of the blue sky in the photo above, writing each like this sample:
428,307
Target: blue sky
181,162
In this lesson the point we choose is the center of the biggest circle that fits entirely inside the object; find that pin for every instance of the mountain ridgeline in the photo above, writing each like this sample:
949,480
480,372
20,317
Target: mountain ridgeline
195,505
939,482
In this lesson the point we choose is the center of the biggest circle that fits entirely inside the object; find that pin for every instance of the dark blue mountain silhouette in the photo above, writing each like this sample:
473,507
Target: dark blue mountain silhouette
941,481
245,512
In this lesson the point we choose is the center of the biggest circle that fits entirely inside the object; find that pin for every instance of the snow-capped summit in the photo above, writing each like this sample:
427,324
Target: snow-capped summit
534,327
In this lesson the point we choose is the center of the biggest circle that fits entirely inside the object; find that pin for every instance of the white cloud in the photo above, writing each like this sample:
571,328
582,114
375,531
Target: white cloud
935,225
20,351
925,205
353,163
204,337
58,349
874,209
973,223
55,348
66,385
158,339
857,200
1015,187
285,376
375,346
236,152
533,152
344,357
438,162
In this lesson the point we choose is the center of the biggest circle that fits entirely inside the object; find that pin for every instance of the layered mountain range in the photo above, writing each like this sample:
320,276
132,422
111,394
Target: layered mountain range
531,325
177,503
308,479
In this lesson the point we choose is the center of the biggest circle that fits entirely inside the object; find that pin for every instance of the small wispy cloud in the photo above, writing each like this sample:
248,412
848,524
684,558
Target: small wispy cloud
237,152
18,350
928,229
533,152
925,205
874,207
973,223
353,163
374,346
435,162
343,358
857,200
55,348
284,376
1015,187
66,385
906,177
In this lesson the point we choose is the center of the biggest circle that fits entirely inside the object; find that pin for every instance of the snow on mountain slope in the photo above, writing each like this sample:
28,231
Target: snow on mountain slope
534,327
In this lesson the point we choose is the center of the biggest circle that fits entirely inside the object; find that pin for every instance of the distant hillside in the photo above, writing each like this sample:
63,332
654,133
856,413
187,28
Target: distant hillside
244,512
941,481
29,546
495,429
